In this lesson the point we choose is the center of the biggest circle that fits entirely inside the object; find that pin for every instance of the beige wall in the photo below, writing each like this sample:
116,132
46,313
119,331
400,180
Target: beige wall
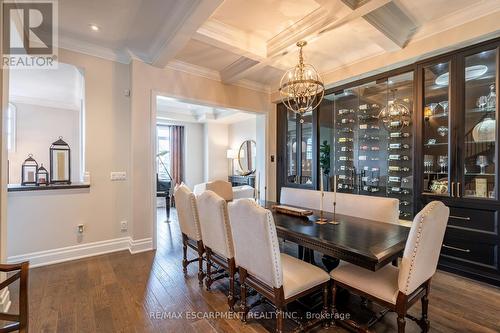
37,126
43,221
147,80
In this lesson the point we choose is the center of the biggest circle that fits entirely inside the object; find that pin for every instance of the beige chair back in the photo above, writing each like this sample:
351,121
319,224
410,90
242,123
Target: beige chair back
423,246
300,197
214,221
187,212
222,188
363,206
256,241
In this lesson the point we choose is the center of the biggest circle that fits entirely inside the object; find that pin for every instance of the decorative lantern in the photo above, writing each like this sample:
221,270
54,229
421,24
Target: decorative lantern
60,167
42,176
28,171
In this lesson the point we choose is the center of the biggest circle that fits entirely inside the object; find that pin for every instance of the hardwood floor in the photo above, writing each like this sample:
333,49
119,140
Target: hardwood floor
120,292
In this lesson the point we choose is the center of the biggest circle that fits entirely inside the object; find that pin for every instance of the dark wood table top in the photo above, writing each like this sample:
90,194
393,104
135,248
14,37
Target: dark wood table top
366,243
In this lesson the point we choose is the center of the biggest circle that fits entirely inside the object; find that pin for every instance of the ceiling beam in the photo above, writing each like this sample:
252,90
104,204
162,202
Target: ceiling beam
187,18
394,24
330,15
231,39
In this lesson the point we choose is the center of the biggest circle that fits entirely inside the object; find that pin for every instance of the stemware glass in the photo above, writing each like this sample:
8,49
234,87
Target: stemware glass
482,162
428,163
444,105
442,131
443,162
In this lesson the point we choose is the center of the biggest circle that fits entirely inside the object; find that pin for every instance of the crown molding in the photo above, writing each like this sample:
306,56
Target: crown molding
185,67
454,19
94,50
214,75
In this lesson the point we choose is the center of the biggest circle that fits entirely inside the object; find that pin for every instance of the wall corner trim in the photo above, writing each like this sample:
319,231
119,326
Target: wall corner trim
54,256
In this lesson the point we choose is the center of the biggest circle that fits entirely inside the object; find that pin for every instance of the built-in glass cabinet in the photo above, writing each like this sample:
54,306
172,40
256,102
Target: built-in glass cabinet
371,140
425,132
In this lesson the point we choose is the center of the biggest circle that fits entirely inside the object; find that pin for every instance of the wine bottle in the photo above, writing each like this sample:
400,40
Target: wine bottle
345,111
394,179
398,168
397,157
399,135
375,148
347,121
404,203
345,149
394,146
345,139
398,123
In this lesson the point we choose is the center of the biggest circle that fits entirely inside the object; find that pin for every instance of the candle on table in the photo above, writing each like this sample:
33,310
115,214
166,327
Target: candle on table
321,188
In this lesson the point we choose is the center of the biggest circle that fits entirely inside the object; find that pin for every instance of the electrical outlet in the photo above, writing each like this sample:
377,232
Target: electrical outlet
118,175
80,228
123,225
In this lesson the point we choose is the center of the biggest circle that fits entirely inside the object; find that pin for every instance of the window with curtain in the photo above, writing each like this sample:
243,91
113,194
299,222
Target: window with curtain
163,149
170,150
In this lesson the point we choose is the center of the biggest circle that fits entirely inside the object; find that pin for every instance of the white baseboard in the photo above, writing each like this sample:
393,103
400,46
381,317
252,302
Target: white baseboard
140,245
54,256
5,300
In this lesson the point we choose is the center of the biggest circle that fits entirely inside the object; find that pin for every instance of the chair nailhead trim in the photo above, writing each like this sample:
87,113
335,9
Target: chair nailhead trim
417,243
278,279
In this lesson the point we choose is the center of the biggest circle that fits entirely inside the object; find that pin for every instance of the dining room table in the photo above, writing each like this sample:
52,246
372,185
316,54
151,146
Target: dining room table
363,242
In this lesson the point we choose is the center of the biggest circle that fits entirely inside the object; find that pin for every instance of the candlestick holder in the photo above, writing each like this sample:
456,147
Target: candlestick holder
321,219
334,221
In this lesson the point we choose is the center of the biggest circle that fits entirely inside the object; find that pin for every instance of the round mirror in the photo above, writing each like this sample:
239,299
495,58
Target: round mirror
246,157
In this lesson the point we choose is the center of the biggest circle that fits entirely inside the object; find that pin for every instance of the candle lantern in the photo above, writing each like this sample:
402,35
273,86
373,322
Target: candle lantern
28,171
42,176
60,162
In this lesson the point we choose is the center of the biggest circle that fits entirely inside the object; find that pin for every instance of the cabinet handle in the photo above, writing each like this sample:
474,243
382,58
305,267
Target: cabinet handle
455,248
458,190
465,218
452,189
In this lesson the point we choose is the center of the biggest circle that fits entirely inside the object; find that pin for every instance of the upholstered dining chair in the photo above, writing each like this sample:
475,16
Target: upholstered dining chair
217,239
398,288
222,188
187,212
278,277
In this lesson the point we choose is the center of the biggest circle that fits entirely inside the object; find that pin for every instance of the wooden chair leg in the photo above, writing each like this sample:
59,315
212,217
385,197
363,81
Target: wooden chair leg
280,316
401,322
243,295
425,309
201,274
334,302
208,279
325,304
184,254
230,298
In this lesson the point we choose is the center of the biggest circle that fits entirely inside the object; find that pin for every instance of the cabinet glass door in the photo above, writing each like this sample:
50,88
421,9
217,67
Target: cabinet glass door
371,137
436,129
345,107
291,148
479,148
306,149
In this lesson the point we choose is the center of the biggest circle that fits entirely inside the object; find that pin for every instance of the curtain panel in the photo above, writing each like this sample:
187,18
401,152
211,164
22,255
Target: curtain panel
177,153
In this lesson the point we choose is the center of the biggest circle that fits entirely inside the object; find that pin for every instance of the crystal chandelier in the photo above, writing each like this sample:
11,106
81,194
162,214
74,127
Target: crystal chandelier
301,87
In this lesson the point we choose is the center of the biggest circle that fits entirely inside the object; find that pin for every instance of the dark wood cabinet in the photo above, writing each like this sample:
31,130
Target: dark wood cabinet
469,176
297,149
238,180
454,151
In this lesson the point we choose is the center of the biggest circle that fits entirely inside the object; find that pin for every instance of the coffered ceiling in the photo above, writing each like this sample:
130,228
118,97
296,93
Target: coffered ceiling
253,42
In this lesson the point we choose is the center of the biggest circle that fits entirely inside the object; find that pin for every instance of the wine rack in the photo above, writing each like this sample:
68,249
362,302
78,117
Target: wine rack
373,143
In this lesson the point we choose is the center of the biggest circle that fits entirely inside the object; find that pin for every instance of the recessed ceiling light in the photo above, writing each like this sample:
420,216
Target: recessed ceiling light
94,27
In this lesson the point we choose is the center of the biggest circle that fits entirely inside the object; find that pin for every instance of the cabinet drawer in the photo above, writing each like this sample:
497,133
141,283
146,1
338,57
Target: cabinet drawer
483,220
470,251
